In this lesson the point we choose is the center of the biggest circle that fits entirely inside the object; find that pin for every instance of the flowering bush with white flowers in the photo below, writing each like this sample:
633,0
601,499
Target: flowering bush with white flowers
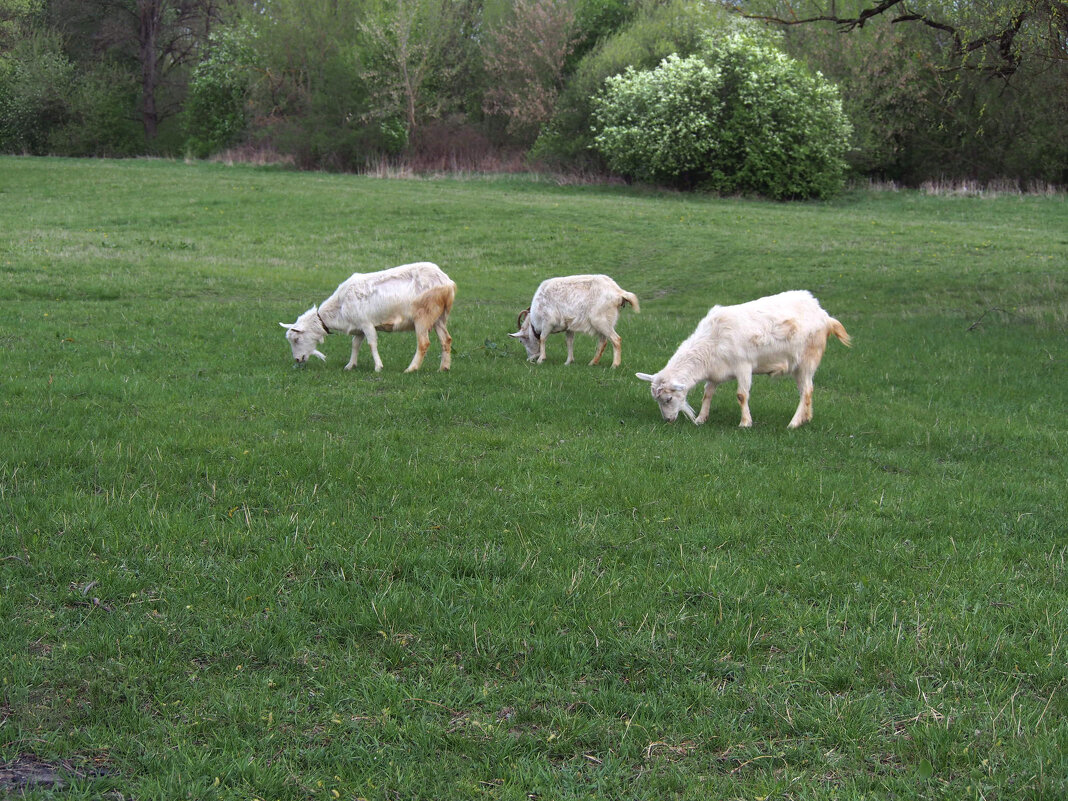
741,116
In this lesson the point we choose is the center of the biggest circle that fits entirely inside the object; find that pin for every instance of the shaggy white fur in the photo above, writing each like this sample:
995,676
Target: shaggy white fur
413,296
776,335
587,304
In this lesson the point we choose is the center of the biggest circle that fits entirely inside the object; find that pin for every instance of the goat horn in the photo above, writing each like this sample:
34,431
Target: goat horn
522,314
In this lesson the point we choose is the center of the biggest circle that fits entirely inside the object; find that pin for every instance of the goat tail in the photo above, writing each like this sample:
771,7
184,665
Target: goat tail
450,298
631,298
836,328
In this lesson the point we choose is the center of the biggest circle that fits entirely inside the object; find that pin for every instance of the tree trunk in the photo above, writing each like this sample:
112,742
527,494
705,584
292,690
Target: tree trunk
150,14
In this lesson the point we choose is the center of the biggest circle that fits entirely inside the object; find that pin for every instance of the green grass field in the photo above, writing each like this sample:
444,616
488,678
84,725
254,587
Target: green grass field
223,578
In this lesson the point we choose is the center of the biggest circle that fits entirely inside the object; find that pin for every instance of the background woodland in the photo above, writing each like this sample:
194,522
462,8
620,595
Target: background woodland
932,90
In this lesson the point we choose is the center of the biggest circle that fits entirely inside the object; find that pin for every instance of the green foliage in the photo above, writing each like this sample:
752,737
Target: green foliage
992,37
35,77
784,132
409,54
950,90
657,30
216,109
335,93
393,136
311,100
884,86
925,108
741,117
662,125
984,129
15,18
595,21
102,120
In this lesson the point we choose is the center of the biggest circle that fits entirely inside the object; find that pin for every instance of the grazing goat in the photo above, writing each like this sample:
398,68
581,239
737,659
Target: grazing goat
784,333
413,296
588,304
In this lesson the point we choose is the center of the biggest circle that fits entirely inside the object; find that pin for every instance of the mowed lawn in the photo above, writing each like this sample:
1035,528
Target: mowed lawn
225,578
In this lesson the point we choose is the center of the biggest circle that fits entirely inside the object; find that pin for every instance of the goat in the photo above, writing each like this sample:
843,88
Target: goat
413,296
784,333
587,304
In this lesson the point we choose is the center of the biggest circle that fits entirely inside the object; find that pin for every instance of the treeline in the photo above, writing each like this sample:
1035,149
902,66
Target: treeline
934,90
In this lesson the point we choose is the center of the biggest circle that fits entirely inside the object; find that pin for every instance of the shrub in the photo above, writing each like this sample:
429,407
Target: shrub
657,30
34,95
661,125
739,117
217,106
103,115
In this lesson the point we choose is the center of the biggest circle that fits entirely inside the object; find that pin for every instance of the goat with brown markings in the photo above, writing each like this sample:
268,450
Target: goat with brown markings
415,297
586,304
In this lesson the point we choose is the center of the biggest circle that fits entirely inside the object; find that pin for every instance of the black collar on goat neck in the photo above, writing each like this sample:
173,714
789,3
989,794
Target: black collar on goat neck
321,321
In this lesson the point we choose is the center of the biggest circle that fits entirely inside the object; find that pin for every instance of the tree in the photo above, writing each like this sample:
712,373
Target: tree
160,38
405,59
924,108
595,21
309,99
525,58
990,36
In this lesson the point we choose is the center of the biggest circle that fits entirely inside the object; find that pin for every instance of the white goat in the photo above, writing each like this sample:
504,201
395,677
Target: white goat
588,304
413,296
784,333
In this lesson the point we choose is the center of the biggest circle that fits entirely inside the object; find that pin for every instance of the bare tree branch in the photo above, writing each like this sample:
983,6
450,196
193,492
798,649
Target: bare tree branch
1001,39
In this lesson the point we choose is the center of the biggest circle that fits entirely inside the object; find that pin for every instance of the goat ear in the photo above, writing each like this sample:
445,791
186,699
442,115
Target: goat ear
286,325
644,376
517,334
317,353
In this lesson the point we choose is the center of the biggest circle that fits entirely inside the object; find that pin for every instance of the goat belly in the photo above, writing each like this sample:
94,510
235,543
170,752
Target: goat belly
398,322
774,365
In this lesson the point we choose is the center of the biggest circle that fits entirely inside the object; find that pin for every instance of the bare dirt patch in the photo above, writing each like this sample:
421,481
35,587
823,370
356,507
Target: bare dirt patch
25,773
